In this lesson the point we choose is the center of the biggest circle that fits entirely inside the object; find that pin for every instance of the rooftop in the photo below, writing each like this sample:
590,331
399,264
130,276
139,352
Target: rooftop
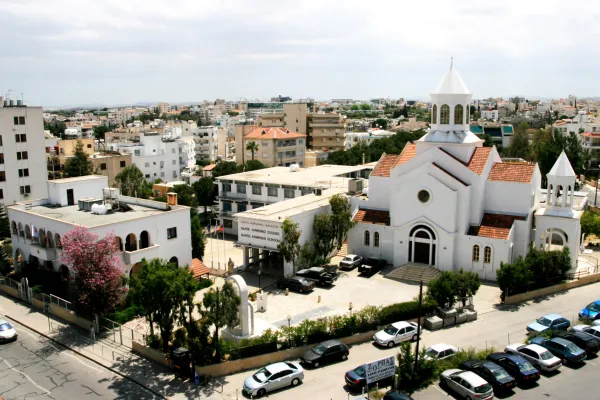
324,176
78,179
512,172
73,215
285,209
368,216
495,226
273,133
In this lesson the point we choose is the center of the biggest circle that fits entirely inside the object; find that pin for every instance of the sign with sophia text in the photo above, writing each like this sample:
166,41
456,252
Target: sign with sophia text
380,369
259,233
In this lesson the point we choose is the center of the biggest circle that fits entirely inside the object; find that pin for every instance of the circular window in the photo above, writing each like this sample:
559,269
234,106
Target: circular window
423,196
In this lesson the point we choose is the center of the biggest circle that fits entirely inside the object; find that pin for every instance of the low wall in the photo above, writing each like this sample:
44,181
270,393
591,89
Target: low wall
10,291
521,297
150,354
231,367
70,317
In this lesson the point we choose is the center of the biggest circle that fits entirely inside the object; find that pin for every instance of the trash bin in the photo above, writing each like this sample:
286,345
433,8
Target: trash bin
181,362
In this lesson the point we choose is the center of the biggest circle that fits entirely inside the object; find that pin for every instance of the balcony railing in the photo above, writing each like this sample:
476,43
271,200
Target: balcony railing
232,196
132,257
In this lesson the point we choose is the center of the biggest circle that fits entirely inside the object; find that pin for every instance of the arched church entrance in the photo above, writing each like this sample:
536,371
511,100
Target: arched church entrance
554,239
422,245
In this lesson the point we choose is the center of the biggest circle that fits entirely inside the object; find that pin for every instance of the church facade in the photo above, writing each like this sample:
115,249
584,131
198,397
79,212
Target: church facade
449,202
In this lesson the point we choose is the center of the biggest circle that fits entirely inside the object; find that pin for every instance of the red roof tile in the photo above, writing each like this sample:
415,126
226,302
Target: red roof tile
209,167
479,159
591,134
512,172
409,151
198,269
385,165
495,226
273,133
377,217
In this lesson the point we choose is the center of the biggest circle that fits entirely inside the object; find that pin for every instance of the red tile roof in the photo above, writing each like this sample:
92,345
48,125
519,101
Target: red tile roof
209,167
385,165
273,133
495,226
409,151
198,269
377,217
479,159
591,134
512,172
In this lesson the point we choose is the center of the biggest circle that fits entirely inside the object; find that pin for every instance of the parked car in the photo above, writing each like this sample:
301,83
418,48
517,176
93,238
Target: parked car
550,321
466,384
351,261
318,275
296,283
396,395
537,355
7,331
440,351
396,333
587,342
331,269
273,377
356,379
591,311
326,352
517,366
567,351
371,266
592,330
494,374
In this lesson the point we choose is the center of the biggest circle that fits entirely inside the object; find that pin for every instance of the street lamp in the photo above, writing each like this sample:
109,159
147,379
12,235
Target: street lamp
259,272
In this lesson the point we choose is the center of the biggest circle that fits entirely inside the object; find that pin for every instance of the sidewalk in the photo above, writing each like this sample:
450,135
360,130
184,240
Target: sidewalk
153,377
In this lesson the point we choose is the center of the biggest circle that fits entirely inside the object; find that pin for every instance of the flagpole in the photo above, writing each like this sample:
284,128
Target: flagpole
217,237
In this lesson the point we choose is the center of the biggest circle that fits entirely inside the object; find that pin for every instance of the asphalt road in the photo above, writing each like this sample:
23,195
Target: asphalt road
35,367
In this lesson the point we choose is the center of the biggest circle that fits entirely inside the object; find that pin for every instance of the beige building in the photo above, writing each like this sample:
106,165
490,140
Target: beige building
276,147
326,131
293,118
66,148
163,108
240,131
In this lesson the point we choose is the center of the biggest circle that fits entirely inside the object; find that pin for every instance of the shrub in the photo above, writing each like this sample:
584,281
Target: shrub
180,338
204,283
125,315
404,311
153,341
442,289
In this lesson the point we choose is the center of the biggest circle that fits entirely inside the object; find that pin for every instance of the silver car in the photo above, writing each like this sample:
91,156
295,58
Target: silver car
350,261
466,384
7,331
592,330
538,356
273,377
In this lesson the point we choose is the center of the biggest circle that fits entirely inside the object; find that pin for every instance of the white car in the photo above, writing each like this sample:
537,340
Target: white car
596,322
440,351
273,377
538,356
7,331
592,330
396,333
466,384
351,261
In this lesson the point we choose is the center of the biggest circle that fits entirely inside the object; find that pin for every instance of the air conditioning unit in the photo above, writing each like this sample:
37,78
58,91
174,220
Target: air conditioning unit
355,185
318,191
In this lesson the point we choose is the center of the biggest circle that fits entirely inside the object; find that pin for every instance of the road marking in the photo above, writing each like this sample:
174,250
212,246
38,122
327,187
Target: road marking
440,390
77,358
28,378
546,379
589,362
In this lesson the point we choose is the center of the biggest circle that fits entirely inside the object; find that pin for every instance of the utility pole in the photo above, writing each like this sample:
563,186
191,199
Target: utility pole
418,330
596,198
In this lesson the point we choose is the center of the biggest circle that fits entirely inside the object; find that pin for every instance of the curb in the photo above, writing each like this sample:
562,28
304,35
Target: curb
154,392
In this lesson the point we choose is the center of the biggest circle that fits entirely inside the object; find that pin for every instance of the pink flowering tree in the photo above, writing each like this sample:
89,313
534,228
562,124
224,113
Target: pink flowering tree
97,269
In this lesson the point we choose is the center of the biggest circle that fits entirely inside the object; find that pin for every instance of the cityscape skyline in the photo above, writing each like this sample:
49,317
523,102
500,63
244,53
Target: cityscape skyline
60,54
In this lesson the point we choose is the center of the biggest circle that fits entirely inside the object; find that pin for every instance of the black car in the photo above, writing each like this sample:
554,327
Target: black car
326,352
318,275
517,366
493,373
587,342
296,283
396,395
372,265
356,379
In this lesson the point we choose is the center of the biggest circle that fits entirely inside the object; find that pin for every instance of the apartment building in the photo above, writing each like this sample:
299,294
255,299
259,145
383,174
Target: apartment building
240,131
326,131
293,117
207,143
23,167
163,108
143,228
276,147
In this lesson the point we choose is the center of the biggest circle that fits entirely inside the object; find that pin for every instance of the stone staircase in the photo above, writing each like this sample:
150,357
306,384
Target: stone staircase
343,252
414,272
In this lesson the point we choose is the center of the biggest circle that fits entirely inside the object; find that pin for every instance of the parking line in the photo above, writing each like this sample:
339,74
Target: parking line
589,362
546,379
439,389
28,378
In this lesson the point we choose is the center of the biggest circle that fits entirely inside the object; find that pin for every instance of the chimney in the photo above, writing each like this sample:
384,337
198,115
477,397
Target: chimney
172,199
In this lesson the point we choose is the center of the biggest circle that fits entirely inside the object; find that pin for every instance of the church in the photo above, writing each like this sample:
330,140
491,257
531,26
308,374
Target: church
448,202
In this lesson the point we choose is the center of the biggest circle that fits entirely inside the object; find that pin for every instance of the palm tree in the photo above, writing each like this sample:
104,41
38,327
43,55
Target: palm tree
252,146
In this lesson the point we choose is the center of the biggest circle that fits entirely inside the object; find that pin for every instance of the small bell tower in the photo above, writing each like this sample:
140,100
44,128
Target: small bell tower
561,185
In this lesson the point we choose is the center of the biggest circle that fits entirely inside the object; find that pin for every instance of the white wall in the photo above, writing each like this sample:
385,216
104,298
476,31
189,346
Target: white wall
508,197
82,189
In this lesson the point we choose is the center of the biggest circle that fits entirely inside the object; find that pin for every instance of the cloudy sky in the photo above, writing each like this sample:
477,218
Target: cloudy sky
66,52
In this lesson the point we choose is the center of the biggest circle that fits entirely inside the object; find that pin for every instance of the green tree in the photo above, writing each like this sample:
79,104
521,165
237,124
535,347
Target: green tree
186,195
198,237
131,182
355,107
79,164
4,224
590,223
253,165
220,308
519,146
380,122
341,219
365,107
225,168
289,247
161,291
100,131
324,235
252,146
466,284
442,290
205,192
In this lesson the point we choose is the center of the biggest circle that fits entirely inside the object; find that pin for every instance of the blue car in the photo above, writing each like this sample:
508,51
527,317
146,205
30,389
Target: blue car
592,311
567,351
554,322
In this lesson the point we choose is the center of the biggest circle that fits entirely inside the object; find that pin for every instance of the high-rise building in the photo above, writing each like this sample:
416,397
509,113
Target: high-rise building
23,167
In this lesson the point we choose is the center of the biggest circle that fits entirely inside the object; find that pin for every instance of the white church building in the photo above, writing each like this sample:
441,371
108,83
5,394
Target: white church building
448,202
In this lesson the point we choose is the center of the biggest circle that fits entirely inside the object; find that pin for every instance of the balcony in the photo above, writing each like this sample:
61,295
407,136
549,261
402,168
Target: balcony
132,257
42,253
232,196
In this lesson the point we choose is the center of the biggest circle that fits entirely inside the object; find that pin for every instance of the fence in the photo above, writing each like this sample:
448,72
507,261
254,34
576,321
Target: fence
119,334
9,282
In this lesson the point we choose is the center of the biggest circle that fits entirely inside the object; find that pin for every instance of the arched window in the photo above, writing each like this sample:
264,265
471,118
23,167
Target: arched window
445,114
27,232
131,242
14,228
119,242
174,261
367,238
376,239
458,114
57,241
476,253
21,231
144,240
50,240
487,255
434,114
